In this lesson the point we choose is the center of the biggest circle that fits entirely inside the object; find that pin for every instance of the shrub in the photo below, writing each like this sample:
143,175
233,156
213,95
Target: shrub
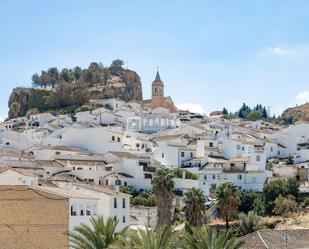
249,223
189,175
84,108
284,205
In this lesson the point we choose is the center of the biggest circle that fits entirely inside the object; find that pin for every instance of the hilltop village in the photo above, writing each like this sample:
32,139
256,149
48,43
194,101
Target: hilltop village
58,170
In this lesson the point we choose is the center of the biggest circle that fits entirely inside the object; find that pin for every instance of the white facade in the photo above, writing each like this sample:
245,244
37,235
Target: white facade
97,140
14,177
110,203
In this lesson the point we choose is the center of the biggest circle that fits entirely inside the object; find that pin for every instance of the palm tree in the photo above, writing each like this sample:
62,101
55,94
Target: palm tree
195,206
163,184
227,201
202,238
160,238
101,235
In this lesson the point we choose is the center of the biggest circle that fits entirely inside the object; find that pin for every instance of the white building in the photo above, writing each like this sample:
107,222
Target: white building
239,171
294,141
97,140
40,119
18,176
111,203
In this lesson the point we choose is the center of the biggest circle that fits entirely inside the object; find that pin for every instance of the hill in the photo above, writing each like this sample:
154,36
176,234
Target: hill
299,112
69,89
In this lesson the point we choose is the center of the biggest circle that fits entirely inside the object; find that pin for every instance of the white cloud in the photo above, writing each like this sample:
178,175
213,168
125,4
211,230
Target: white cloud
280,51
191,107
302,97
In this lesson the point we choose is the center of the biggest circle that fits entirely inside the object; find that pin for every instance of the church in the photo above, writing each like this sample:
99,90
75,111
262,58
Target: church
157,97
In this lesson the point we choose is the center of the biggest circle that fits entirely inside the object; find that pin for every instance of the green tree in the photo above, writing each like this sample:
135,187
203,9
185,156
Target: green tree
278,187
67,75
35,80
163,184
259,206
160,238
77,73
202,238
243,111
53,76
117,63
225,111
249,223
293,187
227,201
254,115
247,199
195,206
271,191
285,205
264,113
99,236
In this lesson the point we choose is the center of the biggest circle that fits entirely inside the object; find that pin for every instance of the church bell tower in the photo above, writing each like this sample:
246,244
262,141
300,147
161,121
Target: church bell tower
157,97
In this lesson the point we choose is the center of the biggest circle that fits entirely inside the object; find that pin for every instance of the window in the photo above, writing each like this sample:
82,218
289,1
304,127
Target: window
113,138
213,177
191,154
213,186
88,211
258,158
137,145
271,149
243,148
106,182
211,144
115,202
182,154
123,219
123,202
125,184
162,155
73,210
118,139
81,211
205,177
238,146
239,177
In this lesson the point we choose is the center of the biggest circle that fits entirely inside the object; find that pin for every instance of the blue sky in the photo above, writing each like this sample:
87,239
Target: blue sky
210,53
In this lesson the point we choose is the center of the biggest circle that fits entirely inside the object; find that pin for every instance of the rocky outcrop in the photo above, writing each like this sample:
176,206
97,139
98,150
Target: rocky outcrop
118,82
21,96
300,112
122,83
